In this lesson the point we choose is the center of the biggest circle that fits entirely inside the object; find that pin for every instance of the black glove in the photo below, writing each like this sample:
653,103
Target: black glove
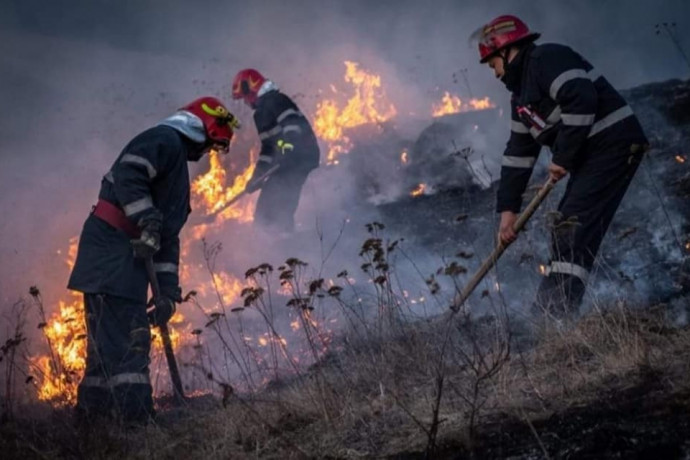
149,241
164,310
172,292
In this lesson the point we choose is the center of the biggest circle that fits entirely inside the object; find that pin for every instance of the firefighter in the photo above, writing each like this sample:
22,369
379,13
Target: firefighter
289,150
142,205
560,101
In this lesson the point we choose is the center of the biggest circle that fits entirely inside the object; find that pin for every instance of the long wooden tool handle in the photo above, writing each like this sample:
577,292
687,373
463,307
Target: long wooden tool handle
172,362
165,335
500,248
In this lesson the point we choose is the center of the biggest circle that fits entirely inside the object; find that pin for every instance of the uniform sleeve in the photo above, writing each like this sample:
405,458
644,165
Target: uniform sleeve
281,128
134,172
166,263
269,132
565,76
520,155
291,121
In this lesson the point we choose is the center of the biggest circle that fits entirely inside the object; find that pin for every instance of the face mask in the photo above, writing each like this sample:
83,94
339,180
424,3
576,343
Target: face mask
195,152
195,155
512,75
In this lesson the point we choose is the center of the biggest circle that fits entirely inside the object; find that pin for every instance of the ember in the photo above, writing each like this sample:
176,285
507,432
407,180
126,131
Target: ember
419,190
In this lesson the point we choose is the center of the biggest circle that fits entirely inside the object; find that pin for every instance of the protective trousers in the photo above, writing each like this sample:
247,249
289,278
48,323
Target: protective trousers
276,206
589,203
116,381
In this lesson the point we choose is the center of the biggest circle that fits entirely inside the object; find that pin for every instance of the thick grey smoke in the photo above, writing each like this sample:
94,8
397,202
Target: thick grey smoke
78,79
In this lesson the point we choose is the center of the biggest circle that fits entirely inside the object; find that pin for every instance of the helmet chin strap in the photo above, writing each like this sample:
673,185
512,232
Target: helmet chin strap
503,54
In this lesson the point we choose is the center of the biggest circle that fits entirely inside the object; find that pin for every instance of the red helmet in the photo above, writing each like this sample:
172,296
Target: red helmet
501,33
246,85
218,122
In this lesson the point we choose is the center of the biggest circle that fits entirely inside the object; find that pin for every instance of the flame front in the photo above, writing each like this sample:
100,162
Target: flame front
59,370
363,107
211,194
453,104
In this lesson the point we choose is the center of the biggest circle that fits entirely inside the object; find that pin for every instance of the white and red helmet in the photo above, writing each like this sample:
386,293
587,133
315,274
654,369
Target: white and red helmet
219,123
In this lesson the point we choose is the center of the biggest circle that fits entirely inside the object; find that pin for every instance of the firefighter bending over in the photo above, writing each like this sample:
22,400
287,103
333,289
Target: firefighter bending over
560,101
142,206
289,150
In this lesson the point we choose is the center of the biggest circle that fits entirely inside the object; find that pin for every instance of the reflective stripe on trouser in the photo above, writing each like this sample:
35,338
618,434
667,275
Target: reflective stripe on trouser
117,359
589,203
277,203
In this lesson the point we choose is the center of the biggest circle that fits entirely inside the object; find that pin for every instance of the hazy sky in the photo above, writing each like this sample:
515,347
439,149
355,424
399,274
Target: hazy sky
79,78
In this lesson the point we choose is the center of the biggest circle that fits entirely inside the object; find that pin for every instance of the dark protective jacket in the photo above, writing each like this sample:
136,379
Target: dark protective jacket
277,118
149,180
576,113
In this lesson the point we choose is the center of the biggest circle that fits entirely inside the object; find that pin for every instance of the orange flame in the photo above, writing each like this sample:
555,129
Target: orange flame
229,287
453,104
362,108
542,269
211,194
59,371
403,157
680,159
418,190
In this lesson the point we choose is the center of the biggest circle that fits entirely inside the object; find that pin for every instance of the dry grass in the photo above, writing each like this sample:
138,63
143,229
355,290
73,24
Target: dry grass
388,387
377,400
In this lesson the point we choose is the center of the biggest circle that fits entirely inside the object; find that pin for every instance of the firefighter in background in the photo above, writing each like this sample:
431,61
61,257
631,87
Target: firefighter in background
289,150
561,102
142,206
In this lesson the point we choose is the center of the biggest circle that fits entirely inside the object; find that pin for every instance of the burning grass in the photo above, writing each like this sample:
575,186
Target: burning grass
375,398
367,104
453,104
387,386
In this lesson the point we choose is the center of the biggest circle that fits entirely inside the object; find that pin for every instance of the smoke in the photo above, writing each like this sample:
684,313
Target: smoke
78,79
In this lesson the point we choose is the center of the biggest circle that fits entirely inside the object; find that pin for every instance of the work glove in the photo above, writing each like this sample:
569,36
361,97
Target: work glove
149,242
164,309
165,306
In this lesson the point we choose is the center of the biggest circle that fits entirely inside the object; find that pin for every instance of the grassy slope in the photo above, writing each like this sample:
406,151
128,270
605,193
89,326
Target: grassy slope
613,384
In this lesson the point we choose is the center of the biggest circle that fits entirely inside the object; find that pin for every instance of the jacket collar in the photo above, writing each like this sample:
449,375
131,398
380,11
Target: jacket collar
187,124
267,86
